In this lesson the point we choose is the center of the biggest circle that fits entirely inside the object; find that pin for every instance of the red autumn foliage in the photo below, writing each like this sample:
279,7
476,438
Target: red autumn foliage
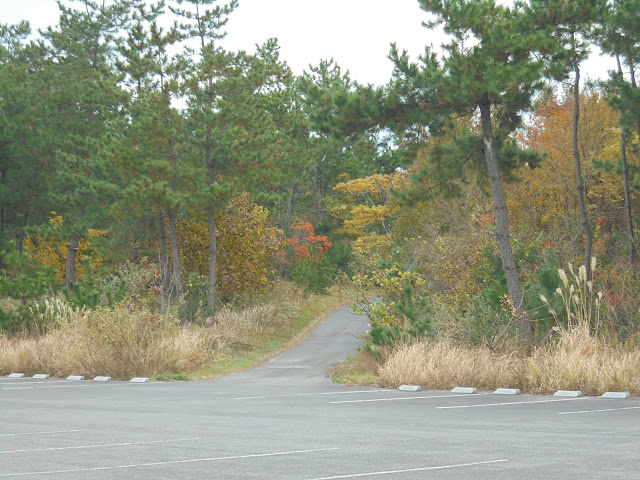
306,245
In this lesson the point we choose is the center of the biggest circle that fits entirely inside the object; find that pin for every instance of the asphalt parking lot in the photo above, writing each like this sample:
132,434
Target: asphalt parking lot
285,420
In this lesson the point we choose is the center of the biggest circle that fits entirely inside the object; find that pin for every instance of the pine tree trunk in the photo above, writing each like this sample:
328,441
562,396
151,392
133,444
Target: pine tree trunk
625,181
21,234
176,274
586,228
211,219
165,284
289,210
70,272
632,74
213,253
627,197
502,224
316,193
2,208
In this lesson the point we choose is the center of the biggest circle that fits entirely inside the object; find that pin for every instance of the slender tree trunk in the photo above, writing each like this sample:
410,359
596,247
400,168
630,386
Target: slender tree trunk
211,222
213,253
625,181
2,208
632,74
586,227
627,197
316,193
22,233
70,272
165,283
289,210
173,237
502,223
176,274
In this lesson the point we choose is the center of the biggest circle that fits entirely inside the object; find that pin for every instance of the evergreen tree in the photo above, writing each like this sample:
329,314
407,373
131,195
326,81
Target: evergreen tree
571,25
229,119
344,140
620,37
159,189
86,97
25,129
488,69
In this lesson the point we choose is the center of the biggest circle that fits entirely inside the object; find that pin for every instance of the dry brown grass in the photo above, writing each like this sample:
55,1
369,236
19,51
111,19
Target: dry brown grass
129,340
110,341
442,365
246,326
583,362
577,361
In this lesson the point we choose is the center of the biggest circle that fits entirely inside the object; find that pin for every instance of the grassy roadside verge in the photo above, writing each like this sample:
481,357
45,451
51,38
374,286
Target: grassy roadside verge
576,361
130,340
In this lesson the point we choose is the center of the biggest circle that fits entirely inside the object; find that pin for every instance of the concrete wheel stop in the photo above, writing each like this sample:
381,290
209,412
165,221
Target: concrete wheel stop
410,388
467,390
568,393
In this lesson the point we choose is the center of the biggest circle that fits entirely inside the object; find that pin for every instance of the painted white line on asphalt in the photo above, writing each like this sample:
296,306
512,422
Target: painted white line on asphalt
601,410
31,383
423,469
36,433
41,388
513,403
415,397
125,444
72,384
174,462
309,394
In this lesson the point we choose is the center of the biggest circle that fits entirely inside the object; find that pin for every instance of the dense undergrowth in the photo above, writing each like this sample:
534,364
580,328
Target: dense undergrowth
415,339
130,339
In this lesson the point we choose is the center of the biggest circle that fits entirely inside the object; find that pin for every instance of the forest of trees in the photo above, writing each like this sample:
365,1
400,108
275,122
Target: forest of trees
458,189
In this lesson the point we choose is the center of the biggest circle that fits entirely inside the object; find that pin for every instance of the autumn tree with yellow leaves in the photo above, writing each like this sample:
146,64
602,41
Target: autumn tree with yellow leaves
247,247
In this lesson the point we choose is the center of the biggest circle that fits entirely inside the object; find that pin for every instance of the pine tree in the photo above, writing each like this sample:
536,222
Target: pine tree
159,188
229,114
571,25
25,128
488,70
620,37
344,140
85,96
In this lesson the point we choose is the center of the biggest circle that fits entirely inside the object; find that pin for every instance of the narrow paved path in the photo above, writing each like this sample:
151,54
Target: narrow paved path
333,340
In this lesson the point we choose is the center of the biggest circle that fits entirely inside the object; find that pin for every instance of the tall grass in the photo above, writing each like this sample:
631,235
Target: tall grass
109,341
443,364
130,339
125,341
245,326
577,361
579,358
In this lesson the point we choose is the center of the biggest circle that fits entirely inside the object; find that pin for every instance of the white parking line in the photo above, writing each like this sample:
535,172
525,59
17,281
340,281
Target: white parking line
126,444
31,383
174,462
309,394
88,383
600,410
512,403
36,433
416,397
423,469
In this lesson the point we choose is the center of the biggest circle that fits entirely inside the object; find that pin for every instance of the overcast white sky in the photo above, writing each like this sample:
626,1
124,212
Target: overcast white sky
356,33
